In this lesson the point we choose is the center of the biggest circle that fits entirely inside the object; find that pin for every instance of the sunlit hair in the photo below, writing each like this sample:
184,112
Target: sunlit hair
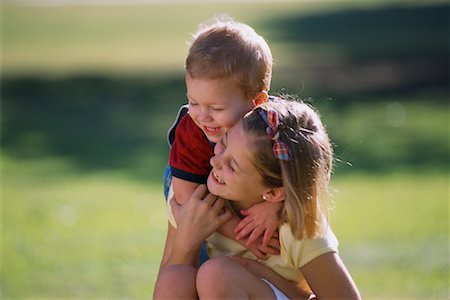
223,48
305,178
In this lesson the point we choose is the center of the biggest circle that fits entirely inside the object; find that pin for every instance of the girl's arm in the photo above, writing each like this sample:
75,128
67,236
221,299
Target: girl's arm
196,220
171,231
329,279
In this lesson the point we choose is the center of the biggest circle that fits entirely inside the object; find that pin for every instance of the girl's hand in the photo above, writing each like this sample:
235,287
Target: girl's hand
199,217
260,219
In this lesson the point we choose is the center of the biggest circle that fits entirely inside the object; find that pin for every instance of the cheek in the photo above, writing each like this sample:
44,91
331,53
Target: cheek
228,120
193,110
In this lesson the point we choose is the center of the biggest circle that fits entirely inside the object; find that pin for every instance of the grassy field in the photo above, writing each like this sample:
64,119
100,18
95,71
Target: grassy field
125,39
72,236
87,95
101,235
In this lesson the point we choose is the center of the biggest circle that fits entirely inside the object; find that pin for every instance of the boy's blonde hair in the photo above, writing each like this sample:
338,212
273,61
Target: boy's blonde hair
306,176
225,48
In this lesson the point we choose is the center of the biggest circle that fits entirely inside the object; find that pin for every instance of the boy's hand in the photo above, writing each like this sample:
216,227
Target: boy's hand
262,251
260,219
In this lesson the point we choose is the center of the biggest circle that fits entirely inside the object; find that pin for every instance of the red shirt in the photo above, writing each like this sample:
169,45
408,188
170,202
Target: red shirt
190,152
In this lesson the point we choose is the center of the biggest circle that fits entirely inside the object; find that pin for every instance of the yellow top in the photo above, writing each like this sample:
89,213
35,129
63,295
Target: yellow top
294,253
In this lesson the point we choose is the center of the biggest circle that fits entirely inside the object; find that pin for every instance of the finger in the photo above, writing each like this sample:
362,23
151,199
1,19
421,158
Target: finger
268,235
218,205
246,231
243,223
256,233
259,254
266,238
276,234
269,250
274,243
210,199
199,191
225,217
245,212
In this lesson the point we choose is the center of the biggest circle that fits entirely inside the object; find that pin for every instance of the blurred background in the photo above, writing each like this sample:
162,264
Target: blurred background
89,88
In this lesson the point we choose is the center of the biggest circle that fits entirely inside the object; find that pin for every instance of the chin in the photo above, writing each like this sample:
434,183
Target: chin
208,182
212,186
214,139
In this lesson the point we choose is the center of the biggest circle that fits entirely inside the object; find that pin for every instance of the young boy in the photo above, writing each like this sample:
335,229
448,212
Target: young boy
228,72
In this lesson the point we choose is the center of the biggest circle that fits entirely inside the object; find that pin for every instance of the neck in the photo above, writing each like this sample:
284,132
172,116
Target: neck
238,205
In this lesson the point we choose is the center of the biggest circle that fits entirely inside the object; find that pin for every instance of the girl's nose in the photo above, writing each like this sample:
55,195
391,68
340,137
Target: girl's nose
214,161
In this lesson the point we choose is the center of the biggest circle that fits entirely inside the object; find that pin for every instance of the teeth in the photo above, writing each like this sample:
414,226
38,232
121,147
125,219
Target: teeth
218,178
212,129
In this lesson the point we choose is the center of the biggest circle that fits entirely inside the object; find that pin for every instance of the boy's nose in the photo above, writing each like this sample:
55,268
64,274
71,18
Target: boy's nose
203,115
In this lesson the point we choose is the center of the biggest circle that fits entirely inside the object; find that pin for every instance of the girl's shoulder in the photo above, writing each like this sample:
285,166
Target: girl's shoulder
302,251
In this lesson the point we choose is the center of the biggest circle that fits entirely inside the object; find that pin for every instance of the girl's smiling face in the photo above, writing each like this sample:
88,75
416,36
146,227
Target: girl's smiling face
215,105
234,177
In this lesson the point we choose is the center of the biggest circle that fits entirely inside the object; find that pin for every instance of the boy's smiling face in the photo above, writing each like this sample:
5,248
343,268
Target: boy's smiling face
215,105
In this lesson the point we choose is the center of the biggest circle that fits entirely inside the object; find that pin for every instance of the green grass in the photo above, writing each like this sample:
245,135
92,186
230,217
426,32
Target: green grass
71,236
388,134
132,39
393,231
101,235
148,38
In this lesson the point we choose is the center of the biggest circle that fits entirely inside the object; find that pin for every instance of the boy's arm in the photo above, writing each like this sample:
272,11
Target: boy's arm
183,189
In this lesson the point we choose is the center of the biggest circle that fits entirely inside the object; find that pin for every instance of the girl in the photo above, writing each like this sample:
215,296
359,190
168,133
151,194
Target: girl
279,152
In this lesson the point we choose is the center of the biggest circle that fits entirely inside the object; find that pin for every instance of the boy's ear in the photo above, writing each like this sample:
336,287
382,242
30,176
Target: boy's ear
274,195
260,98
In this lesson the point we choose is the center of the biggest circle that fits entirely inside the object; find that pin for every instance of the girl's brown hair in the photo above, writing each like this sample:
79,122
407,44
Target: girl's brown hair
306,176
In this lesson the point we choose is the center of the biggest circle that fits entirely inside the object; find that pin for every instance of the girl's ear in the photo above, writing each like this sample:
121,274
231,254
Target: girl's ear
260,98
274,195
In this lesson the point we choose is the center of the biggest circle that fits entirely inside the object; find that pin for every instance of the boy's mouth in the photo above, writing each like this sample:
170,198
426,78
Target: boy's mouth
217,178
211,130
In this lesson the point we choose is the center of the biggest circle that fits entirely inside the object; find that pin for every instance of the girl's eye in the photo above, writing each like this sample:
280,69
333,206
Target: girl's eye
230,166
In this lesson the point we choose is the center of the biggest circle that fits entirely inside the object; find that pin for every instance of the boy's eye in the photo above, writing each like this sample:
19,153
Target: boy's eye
216,108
